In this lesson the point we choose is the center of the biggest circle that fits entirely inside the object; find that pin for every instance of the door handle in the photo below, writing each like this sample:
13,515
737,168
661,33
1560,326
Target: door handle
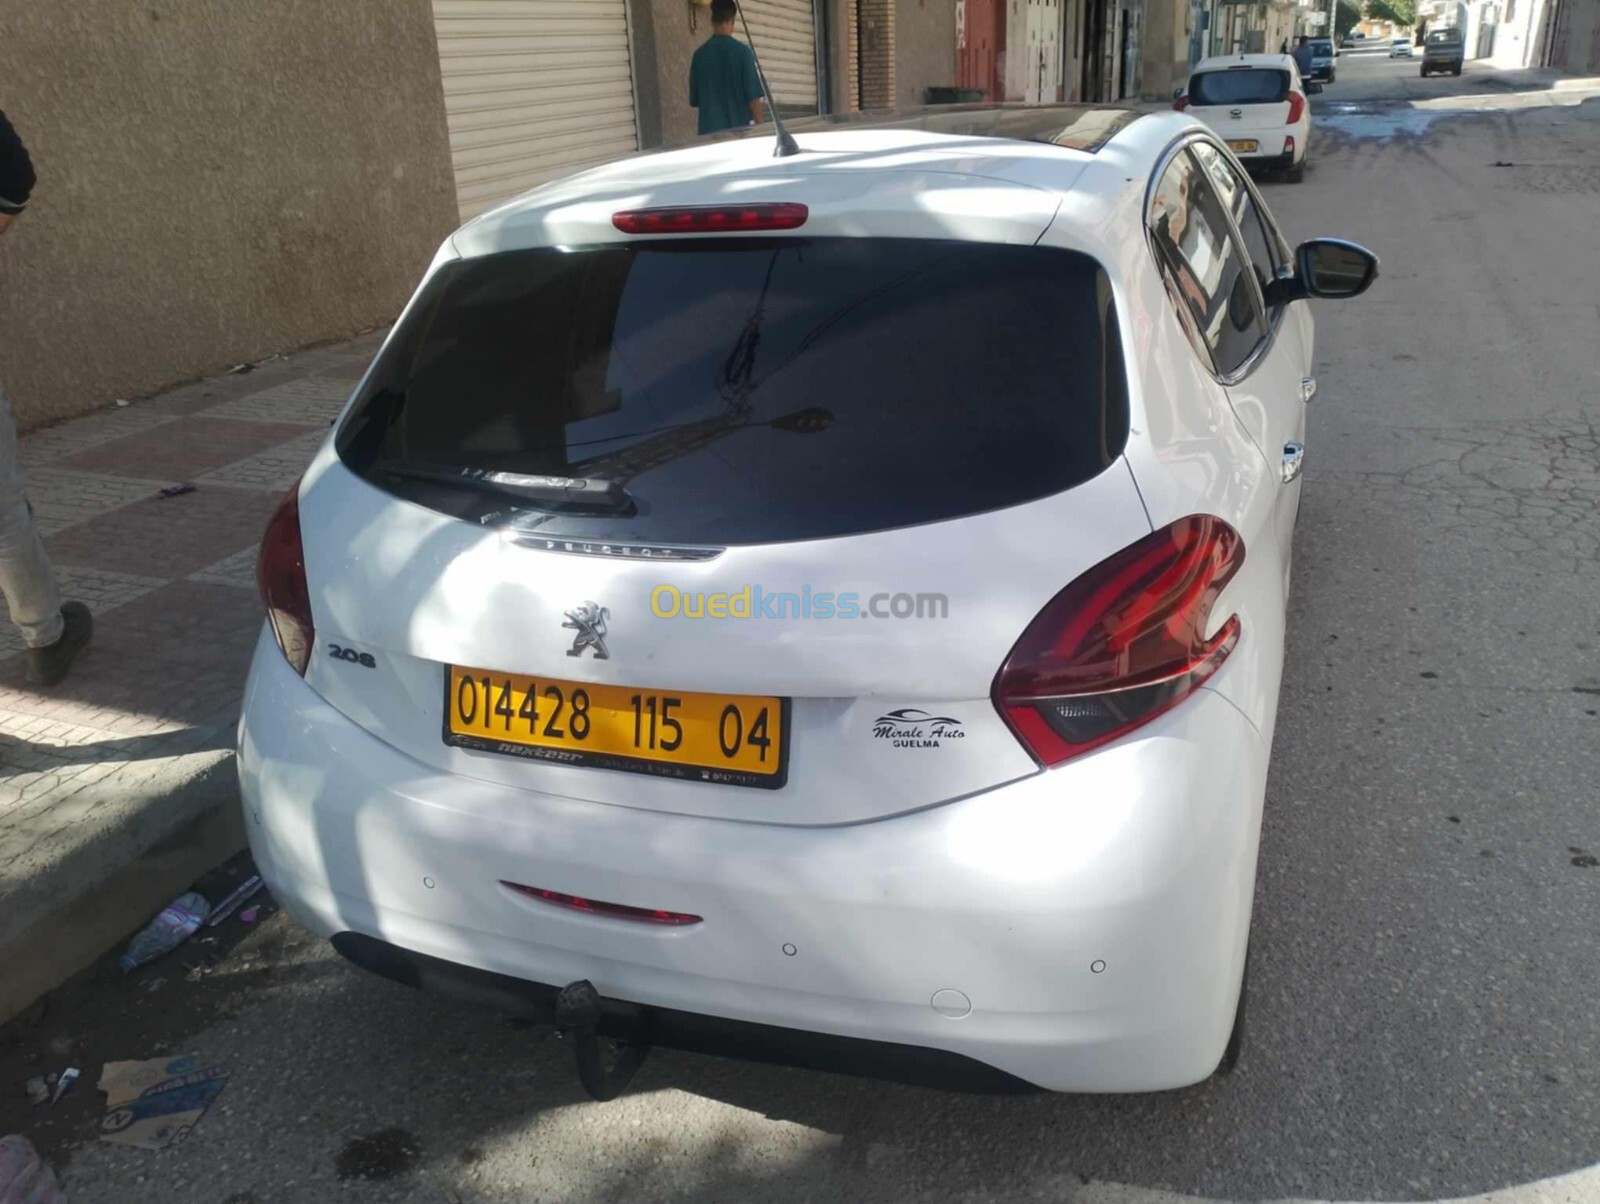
1308,388
1294,458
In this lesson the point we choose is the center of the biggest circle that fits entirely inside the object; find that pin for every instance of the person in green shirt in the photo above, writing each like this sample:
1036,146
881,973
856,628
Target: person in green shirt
723,84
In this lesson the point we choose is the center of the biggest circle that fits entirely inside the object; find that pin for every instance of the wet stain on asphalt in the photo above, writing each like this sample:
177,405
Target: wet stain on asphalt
386,1154
1583,860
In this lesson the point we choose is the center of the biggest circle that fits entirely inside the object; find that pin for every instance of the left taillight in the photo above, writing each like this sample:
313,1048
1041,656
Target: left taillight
1123,643
281,578
1181,103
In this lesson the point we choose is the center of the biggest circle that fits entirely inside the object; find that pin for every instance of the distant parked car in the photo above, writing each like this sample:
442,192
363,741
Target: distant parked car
1257,104
1401,49
1323,58
1443,51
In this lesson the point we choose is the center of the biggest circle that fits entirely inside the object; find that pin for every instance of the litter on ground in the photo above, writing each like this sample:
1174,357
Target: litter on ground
155,1103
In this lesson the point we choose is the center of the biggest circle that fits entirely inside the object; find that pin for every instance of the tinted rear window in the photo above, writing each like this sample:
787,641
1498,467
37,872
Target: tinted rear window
753,390
1246,86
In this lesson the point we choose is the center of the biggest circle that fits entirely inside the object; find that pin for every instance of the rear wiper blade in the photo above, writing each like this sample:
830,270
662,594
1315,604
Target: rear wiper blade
585,493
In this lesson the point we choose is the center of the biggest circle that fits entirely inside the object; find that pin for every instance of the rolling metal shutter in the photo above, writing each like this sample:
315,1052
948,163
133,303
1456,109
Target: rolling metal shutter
785,35
533,89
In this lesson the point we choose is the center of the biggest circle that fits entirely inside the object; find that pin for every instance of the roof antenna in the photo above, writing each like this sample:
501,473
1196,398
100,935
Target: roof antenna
786,144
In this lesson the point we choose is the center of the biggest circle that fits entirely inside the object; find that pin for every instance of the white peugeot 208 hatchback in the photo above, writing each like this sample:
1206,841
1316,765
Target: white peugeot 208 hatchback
824,608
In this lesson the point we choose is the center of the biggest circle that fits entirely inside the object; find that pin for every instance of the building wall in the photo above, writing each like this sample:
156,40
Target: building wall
1517,42
666,33
1575,41
1164,49
1280,25
678,29
877,35
218,181
925,48
844,56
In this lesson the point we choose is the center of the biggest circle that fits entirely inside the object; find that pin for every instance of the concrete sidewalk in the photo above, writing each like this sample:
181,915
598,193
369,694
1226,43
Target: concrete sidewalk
116,787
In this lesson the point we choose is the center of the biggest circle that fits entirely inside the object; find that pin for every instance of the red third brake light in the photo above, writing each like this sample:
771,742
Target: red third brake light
1297,107
712,219
281,578
1123,643
615,911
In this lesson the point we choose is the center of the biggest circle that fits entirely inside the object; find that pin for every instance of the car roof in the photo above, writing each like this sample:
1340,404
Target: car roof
1011,150
1082,127
1228,62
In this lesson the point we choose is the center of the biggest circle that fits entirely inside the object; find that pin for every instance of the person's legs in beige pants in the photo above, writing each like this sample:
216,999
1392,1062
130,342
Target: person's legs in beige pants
26,578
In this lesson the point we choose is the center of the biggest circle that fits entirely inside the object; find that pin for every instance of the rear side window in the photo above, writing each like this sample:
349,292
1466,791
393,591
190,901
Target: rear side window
1204,268
1248,86
748,391
1255,230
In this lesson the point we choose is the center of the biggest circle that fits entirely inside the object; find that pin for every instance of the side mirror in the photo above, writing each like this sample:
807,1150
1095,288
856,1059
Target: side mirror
1333,268
1313,88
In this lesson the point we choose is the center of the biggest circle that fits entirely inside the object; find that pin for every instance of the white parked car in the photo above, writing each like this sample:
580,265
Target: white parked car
1401,49
1257,104
829,608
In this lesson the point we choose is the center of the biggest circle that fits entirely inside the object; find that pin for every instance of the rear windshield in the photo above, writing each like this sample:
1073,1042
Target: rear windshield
747,391
1240,86
1443,35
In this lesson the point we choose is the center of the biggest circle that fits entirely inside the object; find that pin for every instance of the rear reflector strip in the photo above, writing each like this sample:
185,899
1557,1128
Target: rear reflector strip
616,911
712,219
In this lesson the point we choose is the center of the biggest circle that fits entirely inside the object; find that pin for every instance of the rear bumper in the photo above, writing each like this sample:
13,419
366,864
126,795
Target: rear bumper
689,1031
1082,929
1270,162
1270,156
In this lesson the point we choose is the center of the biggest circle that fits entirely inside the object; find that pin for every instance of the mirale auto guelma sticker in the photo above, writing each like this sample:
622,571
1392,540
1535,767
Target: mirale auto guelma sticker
910,728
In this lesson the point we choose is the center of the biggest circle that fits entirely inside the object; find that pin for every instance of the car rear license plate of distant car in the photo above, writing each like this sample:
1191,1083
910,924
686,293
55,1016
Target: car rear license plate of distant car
731,739
1241,144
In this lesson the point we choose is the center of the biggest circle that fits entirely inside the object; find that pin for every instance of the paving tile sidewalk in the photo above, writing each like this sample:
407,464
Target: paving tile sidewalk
94,771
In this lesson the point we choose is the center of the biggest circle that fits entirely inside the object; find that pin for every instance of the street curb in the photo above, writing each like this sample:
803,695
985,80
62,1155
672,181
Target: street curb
64,907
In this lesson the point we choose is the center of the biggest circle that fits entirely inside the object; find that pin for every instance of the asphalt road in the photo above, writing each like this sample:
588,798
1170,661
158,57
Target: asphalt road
1423,1018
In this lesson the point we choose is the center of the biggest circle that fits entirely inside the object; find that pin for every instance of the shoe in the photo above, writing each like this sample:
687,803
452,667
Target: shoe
48,665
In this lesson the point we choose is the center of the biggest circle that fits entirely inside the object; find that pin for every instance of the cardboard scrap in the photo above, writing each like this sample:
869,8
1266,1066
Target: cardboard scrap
153,1104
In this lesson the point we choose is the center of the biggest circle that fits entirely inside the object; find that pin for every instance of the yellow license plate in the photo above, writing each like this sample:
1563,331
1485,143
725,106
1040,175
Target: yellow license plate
1241,144
732,739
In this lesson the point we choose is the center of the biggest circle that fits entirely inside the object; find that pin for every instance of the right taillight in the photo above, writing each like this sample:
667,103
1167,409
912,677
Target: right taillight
1123,643
281,578
1297,107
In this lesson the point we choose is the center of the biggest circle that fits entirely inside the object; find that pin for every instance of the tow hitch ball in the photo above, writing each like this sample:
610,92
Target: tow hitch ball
577,1016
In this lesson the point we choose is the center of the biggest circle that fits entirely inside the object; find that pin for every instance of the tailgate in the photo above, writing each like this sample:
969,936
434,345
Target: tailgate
885,714
738,527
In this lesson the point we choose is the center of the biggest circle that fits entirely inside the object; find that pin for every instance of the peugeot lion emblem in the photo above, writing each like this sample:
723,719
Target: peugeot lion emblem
589,621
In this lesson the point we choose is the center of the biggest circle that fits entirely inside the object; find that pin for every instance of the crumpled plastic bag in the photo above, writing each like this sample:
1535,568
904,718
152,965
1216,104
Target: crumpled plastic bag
25,1178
